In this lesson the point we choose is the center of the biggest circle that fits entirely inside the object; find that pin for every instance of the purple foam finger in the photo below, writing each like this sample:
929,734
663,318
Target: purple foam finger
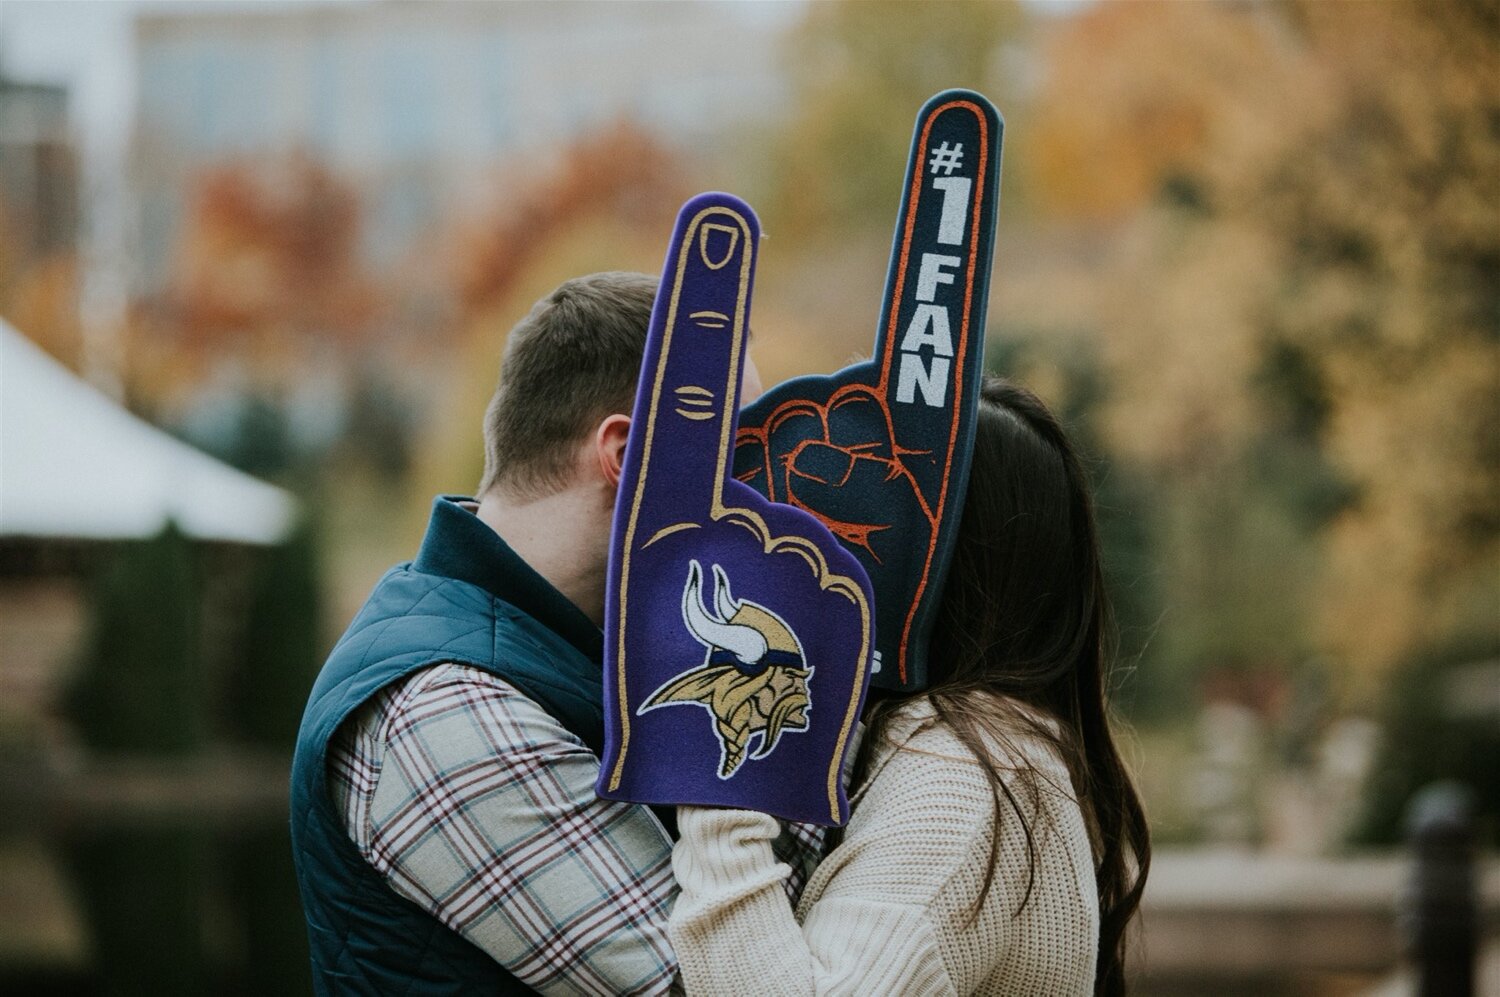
734,626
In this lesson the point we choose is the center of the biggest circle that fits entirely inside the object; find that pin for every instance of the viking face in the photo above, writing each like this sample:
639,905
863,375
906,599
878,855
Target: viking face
753,678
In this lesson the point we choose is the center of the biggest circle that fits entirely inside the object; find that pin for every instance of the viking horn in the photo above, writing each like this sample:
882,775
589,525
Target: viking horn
743,642
722,599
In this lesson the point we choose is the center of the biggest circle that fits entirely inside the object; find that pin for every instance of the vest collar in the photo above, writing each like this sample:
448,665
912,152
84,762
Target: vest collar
459,545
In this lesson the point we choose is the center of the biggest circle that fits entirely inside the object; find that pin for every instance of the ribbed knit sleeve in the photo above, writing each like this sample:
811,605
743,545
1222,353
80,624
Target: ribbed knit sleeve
899,907
735,932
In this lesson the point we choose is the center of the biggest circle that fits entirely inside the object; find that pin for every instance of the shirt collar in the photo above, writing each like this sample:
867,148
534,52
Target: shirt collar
461,546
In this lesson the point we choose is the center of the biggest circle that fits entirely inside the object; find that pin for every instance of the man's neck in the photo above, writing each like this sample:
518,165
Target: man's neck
558,536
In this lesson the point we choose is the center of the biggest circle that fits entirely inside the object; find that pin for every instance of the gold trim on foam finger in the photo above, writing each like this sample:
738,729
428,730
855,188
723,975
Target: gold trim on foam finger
746,518
667,531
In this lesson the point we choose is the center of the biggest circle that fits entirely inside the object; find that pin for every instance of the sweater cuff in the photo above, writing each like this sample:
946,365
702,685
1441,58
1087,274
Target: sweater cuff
726,851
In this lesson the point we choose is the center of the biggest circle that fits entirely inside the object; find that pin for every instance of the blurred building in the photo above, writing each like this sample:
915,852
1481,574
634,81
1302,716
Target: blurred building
418,103
38,170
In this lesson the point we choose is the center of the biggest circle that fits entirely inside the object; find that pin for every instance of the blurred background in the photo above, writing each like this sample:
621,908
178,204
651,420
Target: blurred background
258,262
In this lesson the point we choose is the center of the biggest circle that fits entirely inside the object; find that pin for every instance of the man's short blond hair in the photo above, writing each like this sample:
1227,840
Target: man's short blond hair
569,363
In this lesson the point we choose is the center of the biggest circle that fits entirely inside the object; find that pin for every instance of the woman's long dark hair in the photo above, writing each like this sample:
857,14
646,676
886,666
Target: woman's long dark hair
1025,618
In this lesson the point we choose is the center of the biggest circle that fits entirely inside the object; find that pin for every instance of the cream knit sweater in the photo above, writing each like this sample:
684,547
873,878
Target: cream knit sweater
887,911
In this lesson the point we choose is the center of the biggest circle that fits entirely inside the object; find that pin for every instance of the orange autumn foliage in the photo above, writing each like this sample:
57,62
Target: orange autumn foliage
1318,181
269,247
621,171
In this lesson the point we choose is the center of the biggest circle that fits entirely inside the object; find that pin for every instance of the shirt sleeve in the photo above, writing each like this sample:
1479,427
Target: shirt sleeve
484,814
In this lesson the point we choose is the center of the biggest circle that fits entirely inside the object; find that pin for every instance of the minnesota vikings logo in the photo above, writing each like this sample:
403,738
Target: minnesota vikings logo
753,679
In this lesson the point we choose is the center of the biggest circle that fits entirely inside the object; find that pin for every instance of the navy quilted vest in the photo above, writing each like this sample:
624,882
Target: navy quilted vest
467,598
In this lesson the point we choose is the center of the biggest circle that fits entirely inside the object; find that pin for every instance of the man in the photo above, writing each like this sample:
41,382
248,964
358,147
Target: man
444,820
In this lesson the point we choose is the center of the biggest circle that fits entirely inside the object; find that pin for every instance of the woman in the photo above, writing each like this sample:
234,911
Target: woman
997,845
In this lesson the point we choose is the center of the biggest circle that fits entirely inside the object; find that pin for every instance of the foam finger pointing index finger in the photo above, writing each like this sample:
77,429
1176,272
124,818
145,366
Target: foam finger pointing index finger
940,258
687,405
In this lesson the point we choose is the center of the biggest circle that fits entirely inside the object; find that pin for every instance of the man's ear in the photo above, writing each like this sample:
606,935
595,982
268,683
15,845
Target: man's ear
609,446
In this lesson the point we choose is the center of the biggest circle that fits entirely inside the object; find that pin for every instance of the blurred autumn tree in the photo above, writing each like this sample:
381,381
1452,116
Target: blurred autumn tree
859,73
608,204
267,263
1383,214
621,171
1299,305
39,289
263,335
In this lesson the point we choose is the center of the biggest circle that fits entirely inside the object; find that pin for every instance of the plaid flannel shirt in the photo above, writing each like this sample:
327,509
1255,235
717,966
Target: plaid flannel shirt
477,805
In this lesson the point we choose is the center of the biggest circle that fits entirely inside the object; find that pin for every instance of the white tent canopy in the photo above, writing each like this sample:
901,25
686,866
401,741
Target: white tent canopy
74,464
